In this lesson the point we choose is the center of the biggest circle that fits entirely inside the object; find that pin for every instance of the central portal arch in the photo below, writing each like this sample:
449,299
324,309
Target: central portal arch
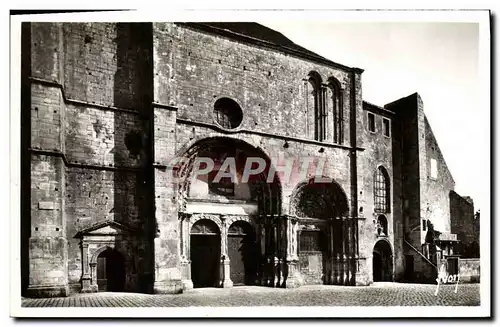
250,253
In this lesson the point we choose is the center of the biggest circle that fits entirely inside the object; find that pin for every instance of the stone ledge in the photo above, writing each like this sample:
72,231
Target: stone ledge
38,291
168,287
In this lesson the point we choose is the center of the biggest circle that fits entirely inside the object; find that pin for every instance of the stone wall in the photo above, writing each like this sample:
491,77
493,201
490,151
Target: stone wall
193,69
90,109
469,270
407,163
379,153
111,105
435,191
465,225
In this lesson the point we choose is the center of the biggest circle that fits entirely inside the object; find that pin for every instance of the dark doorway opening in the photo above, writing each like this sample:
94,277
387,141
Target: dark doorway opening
409,268
382,262
110,271
242,251
205,254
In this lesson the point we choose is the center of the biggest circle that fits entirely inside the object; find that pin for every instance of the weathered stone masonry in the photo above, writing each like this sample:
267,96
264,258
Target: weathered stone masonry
107,107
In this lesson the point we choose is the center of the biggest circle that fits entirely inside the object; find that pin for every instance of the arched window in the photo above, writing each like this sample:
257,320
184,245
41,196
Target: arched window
325,100
318,94
382,191
335,102
382,226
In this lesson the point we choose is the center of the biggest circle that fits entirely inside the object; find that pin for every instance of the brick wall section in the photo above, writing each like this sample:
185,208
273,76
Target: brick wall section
47,112
46,51
191,78
407,148
107,63
167,245
48,256
378,152
434,193
407,123
463,223
114,99
423,196
397,199
48,243
193,69
99,68
469,270
99,137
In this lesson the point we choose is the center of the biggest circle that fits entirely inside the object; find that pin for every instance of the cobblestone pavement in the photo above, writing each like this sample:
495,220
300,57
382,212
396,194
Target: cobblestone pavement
378,294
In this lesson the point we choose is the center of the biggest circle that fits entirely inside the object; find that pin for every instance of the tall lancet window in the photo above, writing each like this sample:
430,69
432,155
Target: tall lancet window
382,191
317,96
335,103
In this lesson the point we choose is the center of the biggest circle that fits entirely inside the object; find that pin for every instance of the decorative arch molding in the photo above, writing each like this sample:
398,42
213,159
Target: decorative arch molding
386,240
232,219
294,197
271,201
93,259
214,218
315,79
334,83
387,271
184,150
385,170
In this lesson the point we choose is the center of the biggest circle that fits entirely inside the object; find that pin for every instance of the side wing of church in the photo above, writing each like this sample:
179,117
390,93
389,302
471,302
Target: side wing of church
158,157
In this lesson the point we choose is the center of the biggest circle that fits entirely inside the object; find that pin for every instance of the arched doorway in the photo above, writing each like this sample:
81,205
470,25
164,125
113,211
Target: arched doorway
382,262
110,271
205,254
242,252
326,240
228,187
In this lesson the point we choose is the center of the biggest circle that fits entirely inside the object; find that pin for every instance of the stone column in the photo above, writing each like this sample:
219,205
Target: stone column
224,258
294,279
262,254
93,269
331,253
168,202
363,276
86,279
47,257
185,251
168,196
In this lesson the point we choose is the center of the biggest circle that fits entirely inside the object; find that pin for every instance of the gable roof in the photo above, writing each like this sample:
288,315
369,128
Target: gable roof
103,224
264,36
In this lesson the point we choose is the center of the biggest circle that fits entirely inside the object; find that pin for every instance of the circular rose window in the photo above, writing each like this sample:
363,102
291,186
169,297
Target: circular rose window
227,113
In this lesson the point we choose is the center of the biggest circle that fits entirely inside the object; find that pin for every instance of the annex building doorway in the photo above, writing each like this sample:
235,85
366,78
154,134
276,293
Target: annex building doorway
110,271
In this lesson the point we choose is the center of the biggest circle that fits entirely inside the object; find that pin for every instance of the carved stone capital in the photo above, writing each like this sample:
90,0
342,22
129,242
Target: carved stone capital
185,216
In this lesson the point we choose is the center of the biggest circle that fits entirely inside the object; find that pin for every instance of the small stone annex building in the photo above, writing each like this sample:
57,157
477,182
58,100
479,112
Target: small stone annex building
114,116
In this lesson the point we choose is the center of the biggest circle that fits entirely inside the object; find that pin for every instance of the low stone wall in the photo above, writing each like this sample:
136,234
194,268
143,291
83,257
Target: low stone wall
469,270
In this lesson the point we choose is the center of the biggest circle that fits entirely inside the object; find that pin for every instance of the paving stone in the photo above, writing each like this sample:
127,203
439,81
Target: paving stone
378,294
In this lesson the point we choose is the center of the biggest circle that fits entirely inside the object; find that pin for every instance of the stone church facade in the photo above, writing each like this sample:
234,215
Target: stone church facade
115,117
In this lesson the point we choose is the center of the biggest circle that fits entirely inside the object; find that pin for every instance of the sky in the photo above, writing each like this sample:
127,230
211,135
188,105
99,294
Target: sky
440,61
